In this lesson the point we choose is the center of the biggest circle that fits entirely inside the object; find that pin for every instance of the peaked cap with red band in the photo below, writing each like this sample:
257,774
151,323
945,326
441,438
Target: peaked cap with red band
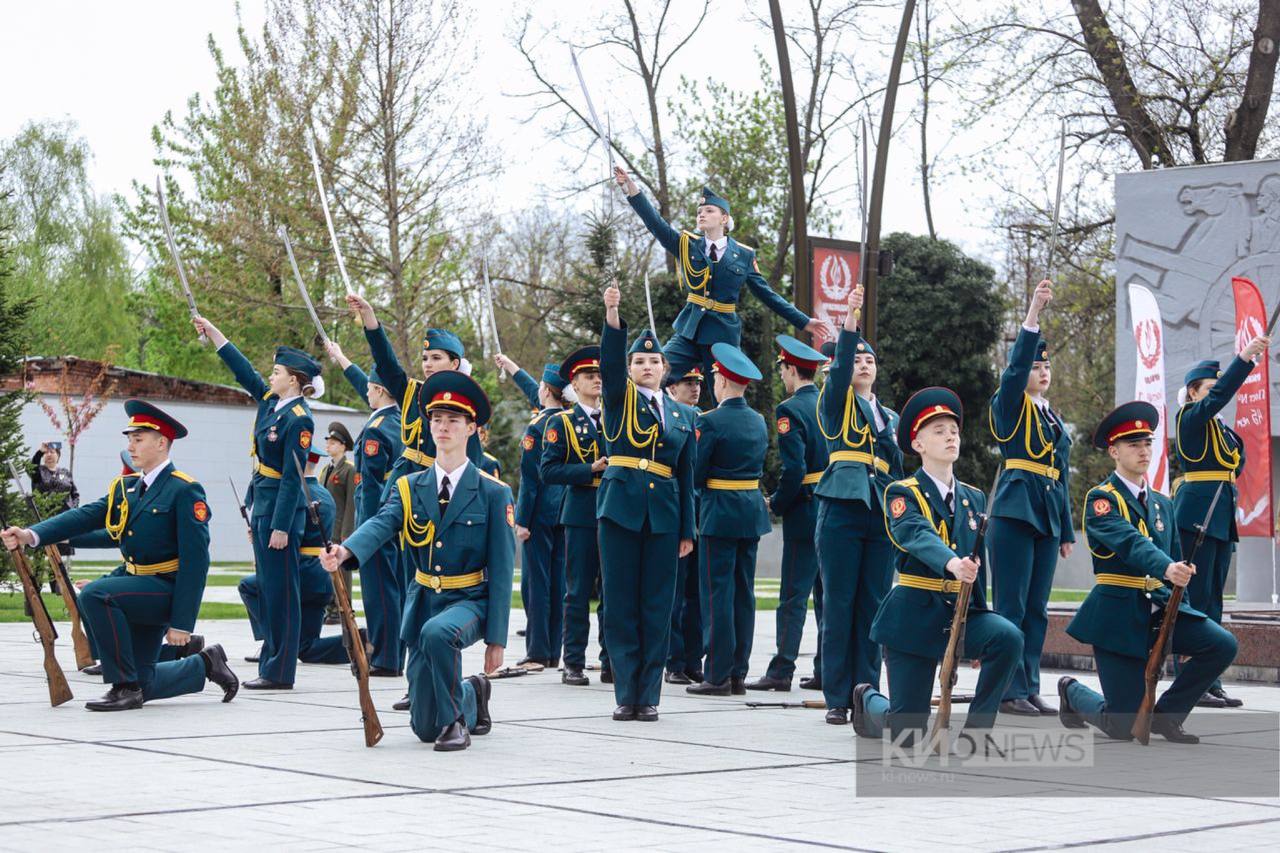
733,364
1128,420
798,353
454,391
143,415
926,405
583,358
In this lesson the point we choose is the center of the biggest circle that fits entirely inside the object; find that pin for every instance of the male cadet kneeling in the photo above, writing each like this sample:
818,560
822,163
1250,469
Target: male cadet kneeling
933,519
1133,538
160,521
456,524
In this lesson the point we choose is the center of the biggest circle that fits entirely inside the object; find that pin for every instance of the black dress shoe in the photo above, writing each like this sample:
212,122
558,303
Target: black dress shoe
193,646
706,688
859,715
93,669
1019,707
217,671
484,723
383,672
813,682
1171,730
1219,693
768,682
452,738
695,675
1208,700
1067,714
738,686
647,713
622,713
520,633
575,677
261,683
677,678
606,675
1046,710
837,716
118,698
255,657
402,705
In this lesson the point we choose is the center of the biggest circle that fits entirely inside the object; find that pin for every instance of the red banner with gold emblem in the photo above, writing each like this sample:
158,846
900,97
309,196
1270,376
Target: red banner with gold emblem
833,273
1253,418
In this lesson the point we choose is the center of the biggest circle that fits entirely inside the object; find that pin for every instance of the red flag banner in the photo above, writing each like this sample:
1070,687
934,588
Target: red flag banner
833,273
1253,418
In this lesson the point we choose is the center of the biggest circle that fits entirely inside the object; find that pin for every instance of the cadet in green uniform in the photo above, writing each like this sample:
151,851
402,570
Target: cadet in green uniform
377,447
573,457
1031,516
1210,452
539,531
803,454
645,509
684,657
160,520
933,520
732,441
316,590
456,523
282,432
714,267
1130,530
855,556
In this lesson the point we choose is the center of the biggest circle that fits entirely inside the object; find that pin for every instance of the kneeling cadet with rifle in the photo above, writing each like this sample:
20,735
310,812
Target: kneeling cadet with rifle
936,522
1133,537
159,519
455,523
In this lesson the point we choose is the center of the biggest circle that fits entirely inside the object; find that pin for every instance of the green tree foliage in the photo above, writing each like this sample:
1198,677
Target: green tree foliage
939,321
70,259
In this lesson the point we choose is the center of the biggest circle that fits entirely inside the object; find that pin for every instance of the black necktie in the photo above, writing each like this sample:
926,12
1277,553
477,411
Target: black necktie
950,501
142,488
444,495
656,408
595,419
714,255
1142,498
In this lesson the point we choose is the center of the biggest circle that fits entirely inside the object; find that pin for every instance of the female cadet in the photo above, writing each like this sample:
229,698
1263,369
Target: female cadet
282,433
645,508
1210,453
1031,513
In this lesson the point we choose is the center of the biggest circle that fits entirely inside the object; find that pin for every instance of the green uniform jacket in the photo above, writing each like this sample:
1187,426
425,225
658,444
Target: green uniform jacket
170,521
377,448
538,502
913,620
848,424
474,534
802,451
570,445
1126,540
628,496
1204,443
732,442
1024,433
737,267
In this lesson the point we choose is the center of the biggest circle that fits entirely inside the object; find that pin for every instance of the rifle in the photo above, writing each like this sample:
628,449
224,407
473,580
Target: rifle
59,690
1155,660
808,703
84,657
350,631
947,674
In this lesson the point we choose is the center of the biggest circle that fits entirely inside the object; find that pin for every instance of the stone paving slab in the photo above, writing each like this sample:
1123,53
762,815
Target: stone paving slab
288,770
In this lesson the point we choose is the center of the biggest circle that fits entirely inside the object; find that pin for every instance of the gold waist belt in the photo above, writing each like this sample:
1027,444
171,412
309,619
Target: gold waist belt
1146,583
931,584
640,464
151,568
1209,477
711,305
1033,467
268,472
732,485
442,582
860,456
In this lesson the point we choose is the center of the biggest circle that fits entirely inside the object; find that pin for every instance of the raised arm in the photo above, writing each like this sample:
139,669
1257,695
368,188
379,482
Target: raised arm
775,303
526,383
658,227
249,379
1202,411
613,355
1006,406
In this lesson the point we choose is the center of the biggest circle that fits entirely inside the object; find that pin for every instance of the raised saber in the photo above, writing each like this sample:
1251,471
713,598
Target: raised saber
648,301
862,202
493,318
591,109
328,220
302,288
1057,199
163,204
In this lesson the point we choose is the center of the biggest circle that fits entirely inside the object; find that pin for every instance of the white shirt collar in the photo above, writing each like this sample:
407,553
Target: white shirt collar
719,244
944,489
1134,488
591,413
281,403
875,410
455,476
150,477
383,409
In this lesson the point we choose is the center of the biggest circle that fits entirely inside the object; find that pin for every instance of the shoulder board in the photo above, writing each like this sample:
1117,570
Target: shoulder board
489,476
374,423
183,476
299,410
266,396
909,481
488,455
692,235
745,246
134,474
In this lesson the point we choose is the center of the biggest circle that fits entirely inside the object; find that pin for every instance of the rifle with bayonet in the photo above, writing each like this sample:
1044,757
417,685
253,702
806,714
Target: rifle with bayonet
351,639
1164,640
947,673
59,690
84,657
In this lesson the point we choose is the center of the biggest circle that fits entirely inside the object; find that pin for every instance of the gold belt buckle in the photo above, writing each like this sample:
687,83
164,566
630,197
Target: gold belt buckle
643,464
1150,584
433,582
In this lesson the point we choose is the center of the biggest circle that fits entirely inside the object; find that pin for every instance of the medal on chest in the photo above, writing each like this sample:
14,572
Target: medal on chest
271,433
973,523
1159,523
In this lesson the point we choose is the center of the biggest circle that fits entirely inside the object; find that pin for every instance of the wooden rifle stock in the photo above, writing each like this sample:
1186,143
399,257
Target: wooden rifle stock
947,672
359,663
59,690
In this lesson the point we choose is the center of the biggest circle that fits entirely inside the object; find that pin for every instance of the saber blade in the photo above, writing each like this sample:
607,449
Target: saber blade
591,109
648,301
163,205
302,288
493,318
328,220
1057,199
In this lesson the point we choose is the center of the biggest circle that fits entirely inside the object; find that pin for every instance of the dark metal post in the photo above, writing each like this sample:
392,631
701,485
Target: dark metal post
795,162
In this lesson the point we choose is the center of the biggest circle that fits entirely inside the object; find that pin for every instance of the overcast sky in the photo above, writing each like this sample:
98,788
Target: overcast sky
115,68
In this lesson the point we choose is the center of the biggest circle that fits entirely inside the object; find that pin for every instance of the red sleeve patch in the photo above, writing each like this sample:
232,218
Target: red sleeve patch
697,434
511,516
358,478
304,439
898,506
201,511
784,426
527,443
552,436
1101,506
371,447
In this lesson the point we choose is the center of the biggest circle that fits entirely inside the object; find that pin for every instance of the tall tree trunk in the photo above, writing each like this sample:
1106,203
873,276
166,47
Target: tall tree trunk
1246,122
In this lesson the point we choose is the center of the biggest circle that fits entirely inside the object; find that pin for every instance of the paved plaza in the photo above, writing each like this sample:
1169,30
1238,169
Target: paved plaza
289,771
